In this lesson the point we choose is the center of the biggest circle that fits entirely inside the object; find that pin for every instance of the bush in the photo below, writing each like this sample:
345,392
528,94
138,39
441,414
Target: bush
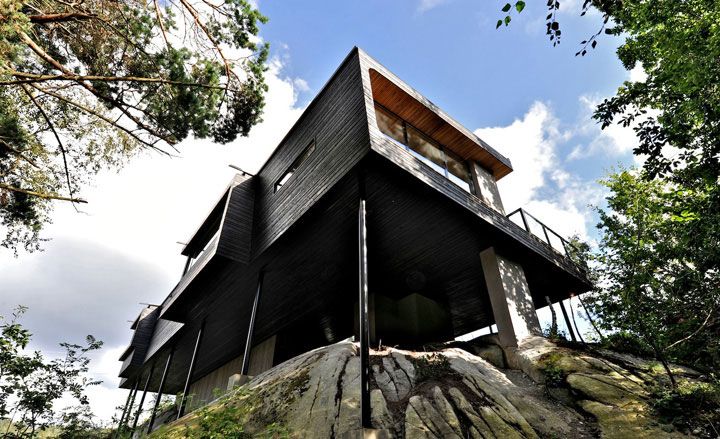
694,406
627,343
554,374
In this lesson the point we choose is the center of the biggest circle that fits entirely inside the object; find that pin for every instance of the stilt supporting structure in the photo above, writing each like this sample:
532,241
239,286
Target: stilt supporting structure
142,398
183,401
248,343
567,321
364,323
127,409
160,390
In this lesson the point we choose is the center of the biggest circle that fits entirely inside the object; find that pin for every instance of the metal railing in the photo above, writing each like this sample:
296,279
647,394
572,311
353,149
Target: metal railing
547,232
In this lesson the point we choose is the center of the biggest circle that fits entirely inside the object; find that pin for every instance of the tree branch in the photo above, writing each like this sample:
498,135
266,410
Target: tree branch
59,17
101,117
684,339
41,194
57,137
34,77
119,105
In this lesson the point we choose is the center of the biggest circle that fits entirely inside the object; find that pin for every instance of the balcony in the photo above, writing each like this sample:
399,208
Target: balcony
539,231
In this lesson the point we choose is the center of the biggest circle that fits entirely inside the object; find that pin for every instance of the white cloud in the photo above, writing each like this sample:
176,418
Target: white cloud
538,182
613,141
530,144
426,5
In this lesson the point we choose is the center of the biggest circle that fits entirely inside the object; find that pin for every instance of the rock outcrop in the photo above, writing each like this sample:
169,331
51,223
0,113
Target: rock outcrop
471,390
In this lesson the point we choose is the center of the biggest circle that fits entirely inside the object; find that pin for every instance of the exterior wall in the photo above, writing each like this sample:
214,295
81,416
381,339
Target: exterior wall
237,223
214,384
336,121
164,330
486,187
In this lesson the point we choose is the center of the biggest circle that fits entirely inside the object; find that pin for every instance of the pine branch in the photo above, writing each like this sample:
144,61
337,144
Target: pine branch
40,194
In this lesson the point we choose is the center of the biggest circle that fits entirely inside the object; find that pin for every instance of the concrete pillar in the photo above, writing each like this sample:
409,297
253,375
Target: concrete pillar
510,298
486,187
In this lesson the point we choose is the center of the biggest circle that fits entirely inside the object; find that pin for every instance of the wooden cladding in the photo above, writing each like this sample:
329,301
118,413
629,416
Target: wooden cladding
429,119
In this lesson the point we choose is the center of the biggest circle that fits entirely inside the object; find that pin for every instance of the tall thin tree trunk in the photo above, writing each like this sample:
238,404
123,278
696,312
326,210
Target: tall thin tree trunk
661,358
590,319
553,325
572,313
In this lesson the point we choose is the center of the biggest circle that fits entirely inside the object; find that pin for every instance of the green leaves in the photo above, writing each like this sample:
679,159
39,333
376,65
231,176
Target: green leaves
147,84
519,6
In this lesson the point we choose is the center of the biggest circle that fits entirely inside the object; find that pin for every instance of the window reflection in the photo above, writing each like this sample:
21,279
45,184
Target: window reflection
424,148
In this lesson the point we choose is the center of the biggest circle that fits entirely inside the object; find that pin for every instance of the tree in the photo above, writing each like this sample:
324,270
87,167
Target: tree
31,384
656,280
86,84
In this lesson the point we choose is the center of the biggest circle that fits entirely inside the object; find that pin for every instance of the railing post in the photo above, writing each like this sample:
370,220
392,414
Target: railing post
547,238
142,398
181,408
160,390
251,328
363,318
524,220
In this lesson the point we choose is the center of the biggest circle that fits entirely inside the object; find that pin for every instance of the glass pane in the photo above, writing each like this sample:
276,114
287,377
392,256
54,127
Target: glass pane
458,172
427,149
390,125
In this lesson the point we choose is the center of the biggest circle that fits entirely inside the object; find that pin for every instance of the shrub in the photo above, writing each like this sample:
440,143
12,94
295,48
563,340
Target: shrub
627,343
693,406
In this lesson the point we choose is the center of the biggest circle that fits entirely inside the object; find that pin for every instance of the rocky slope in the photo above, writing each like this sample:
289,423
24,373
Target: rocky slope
461,391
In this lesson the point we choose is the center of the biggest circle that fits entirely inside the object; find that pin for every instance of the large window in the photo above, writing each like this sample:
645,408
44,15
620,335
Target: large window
423,147
296,164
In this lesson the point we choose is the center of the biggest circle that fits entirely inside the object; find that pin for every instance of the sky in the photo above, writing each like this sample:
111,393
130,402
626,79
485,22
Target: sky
526,98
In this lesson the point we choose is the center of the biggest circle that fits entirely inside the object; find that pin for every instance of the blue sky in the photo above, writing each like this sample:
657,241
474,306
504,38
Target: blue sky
529,100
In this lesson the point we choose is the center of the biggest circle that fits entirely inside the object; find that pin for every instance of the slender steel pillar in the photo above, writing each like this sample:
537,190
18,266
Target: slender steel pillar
125,410
187,265
142,398
567,321
248,343
160,390
363,319
181,409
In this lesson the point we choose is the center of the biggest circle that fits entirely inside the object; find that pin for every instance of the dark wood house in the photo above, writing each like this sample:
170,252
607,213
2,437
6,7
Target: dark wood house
377,217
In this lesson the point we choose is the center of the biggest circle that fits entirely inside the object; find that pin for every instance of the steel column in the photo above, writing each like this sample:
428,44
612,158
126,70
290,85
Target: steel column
363,318
142,398
567,321
160,390
181,409
248,343
125,410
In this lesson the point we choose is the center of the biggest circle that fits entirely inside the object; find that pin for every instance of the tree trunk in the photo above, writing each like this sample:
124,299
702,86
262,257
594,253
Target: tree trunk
553,326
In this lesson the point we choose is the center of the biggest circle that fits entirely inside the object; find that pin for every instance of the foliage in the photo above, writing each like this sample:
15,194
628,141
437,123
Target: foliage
229,418
84,85
693,406
553,373
658,281
30,384
627,343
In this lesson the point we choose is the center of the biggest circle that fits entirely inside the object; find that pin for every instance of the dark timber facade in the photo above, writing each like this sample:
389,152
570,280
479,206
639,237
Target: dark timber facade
377,217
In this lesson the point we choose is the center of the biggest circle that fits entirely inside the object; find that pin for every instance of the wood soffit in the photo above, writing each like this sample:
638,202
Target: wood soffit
417,110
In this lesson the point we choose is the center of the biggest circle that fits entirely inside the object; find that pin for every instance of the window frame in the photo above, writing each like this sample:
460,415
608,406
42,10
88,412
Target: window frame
443,149
287,176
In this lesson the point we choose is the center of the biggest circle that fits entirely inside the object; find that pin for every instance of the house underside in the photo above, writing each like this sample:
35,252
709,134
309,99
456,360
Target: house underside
426,279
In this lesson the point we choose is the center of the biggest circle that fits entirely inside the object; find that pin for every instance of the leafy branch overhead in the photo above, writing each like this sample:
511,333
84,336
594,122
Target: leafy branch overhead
86,84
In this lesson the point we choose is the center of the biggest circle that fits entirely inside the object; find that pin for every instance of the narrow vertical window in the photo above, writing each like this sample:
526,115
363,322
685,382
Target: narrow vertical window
295,165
